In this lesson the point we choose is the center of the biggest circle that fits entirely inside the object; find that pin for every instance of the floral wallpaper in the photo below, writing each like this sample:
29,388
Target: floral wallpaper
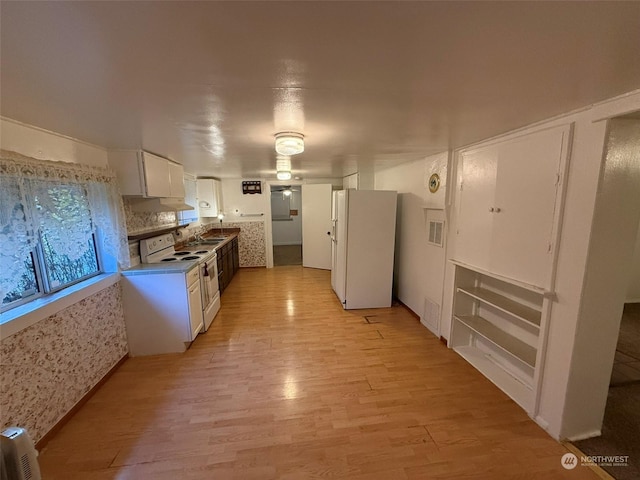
251,243
48,367
140,222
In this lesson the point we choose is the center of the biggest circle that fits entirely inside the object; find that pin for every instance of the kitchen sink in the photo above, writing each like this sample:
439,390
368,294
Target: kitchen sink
207,241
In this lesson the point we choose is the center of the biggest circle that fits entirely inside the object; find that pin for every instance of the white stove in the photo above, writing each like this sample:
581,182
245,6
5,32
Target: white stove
161,249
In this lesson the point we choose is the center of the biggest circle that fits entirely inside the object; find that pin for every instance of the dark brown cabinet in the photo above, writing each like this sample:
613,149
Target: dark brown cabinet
228,263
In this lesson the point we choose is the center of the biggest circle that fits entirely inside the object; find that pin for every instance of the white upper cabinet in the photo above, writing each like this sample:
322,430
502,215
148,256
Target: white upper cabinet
147,175
209,193
176,180
509,205
156,175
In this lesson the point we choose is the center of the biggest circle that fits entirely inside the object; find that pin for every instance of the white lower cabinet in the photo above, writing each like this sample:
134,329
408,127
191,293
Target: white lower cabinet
195,305
162,311
499,326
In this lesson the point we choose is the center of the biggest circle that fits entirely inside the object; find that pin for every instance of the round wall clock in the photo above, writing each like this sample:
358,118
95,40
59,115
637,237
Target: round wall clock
434,183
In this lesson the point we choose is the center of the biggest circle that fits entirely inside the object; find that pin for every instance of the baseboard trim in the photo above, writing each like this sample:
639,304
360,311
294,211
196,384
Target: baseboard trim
85,398
443,341
413,314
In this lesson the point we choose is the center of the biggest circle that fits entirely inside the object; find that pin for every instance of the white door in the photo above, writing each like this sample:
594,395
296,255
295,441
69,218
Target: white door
526,194
476,198
316,226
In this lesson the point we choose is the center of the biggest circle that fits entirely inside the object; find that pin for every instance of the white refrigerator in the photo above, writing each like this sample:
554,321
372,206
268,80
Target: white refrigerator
362,247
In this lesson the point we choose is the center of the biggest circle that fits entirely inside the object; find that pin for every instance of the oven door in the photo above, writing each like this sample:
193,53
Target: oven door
210,294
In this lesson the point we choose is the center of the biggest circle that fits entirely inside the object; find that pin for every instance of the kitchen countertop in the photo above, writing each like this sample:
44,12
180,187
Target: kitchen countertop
156,268
176,267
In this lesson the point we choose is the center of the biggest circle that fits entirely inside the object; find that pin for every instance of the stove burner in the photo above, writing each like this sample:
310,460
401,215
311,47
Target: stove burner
202,251
192,257
180,254
168,260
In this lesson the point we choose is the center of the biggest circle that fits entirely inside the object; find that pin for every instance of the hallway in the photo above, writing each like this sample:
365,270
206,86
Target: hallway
288,385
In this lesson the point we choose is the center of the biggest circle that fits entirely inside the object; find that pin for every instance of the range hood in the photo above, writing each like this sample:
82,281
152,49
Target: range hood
159,205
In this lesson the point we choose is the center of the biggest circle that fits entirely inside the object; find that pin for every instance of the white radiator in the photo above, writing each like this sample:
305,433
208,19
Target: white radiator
19,456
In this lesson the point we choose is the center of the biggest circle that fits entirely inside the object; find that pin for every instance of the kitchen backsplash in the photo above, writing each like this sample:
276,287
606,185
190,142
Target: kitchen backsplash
251,239
48,367
140,222
251,243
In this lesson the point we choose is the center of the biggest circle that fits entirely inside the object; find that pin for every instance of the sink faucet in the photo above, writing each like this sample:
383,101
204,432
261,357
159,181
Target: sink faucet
220,217
199,237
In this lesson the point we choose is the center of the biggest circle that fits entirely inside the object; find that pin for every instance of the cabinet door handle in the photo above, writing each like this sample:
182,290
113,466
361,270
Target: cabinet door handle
498,209
491,209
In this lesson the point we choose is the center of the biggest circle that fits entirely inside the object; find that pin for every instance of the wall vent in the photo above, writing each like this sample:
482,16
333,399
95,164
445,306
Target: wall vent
436,233
431,315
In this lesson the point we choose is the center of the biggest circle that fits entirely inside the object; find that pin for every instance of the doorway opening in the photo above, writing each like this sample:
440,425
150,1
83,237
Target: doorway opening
621,421
286,225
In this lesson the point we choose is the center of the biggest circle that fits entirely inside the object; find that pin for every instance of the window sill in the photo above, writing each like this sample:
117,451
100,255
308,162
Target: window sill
19,318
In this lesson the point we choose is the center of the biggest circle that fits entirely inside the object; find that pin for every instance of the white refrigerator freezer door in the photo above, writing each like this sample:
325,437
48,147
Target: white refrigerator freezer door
339,253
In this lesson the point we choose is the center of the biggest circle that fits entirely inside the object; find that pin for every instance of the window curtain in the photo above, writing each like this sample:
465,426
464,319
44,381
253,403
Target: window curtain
67,202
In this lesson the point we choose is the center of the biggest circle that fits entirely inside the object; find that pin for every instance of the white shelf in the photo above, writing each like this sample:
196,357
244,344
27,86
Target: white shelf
506,342
521,393
504,304
526,286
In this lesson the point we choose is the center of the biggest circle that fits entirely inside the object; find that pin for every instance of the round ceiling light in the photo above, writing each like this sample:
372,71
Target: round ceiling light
283,175
289,143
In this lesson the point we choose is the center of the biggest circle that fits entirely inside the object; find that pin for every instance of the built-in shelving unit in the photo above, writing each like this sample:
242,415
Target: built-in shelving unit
499,327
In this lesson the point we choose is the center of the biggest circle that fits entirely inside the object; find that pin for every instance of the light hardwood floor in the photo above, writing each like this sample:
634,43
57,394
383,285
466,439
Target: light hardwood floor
288,385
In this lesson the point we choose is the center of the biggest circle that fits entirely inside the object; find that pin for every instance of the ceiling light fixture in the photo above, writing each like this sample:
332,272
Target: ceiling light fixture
289,143
283,168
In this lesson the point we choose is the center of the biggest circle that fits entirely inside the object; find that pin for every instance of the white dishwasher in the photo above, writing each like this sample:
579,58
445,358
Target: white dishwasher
162,307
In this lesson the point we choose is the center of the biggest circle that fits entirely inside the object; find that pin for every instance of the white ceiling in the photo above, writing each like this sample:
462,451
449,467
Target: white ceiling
370,84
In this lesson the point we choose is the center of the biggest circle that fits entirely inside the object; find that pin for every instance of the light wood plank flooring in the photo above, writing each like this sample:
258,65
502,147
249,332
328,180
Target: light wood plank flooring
288,385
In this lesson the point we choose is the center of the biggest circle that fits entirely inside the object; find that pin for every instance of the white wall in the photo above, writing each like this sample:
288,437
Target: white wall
419,267
44,145
236,203
289,232
613,237
633,292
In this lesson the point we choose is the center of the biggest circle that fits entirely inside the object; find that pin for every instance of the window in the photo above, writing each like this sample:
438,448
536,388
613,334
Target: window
49,233
57,219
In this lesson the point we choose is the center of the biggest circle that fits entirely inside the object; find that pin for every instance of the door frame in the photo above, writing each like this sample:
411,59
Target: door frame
268,226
